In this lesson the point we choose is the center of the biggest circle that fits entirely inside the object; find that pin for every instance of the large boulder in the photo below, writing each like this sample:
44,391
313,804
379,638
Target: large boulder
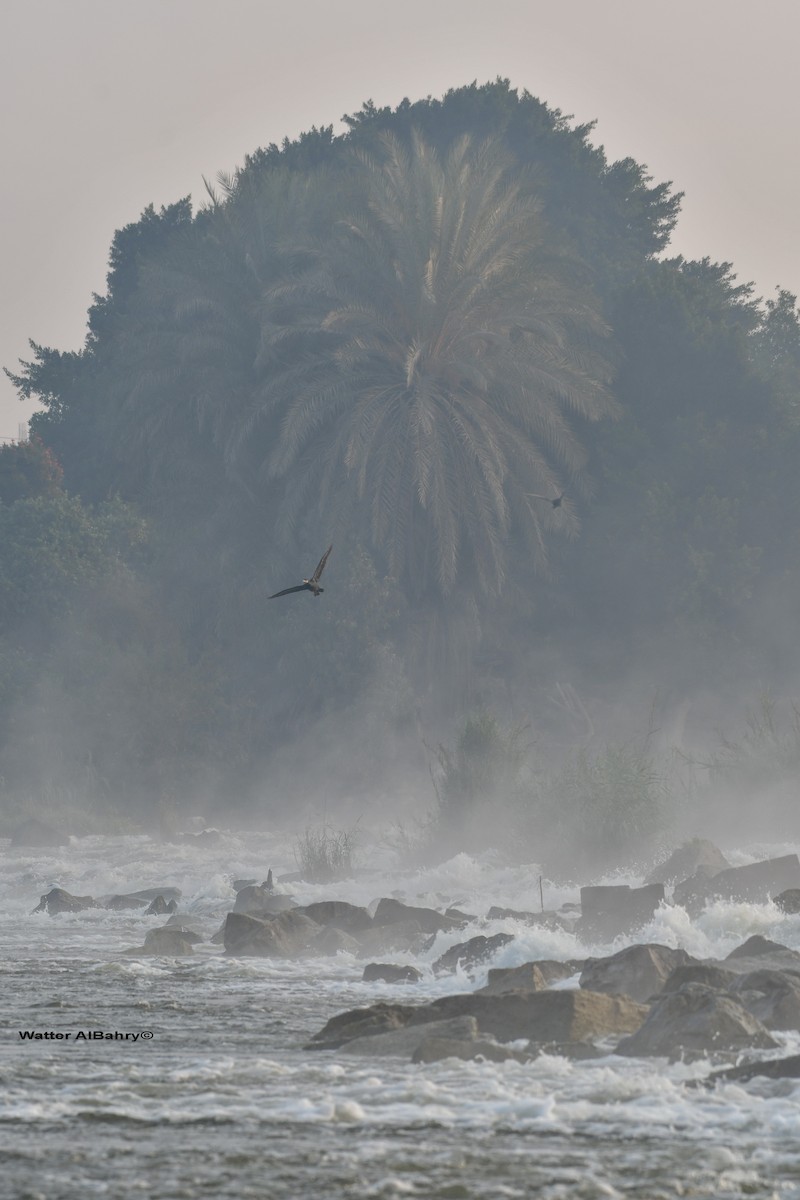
391,939
697,1020
637,971
288,935
709,974
526,978
57,901
755,883
364,1022
257,901
689,858
760,954
392,912
170,940
404,1042
535,976
607,912
788,901
542,1017
160,907
338,914
468,955
772,996
331,941
773,1068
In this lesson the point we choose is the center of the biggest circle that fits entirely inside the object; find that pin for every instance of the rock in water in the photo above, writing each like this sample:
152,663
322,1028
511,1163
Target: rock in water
693,856
58,901
609,911
543,1017
637,971
403,1042
696,1019
286,935
390,973
471,954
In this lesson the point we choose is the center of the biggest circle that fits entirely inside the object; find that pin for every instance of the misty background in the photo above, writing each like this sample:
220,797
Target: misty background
405,325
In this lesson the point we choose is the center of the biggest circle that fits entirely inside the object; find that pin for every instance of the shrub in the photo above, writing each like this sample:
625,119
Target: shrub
324,854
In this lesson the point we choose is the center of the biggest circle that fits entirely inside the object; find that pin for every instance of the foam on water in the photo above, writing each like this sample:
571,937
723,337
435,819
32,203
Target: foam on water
227,1050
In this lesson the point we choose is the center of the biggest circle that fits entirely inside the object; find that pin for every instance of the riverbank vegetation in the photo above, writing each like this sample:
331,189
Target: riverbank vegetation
558,467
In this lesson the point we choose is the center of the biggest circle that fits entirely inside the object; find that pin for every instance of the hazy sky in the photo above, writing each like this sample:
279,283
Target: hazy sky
109,105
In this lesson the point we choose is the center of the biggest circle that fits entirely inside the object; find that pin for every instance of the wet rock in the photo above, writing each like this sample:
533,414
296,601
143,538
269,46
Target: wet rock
435,1049
568,1016
468,955
39,834
609,911
170,941
529,977
404,1042
549,1016
391,939
549,918
338,914
788,901
160,907
286,935
696,1020
390,973
57,901
392,912
121,903
756,883
695,855
637,971
238,884
774,1068
463,919
363,1022
526,978
256,901
331,941
700,972
772,996
760,954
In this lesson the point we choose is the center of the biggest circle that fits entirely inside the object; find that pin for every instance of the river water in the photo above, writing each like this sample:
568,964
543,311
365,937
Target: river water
217,1097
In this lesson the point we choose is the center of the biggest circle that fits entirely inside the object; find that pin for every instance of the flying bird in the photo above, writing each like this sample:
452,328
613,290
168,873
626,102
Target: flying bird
308,585
554,500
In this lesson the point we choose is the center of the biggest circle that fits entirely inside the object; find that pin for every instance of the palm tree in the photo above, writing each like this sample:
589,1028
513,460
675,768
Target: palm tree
425,376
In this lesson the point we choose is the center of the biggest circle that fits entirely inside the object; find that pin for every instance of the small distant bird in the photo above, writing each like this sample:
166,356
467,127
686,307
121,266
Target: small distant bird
308,585
554,500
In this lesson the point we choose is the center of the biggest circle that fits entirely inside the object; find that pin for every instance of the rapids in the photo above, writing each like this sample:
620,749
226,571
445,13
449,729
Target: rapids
223,1101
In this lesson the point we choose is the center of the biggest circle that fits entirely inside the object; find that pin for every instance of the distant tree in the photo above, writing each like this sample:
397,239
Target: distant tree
28,469
426,373
53,550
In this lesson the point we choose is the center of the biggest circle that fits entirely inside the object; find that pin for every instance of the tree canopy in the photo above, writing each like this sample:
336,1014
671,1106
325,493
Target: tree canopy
450,341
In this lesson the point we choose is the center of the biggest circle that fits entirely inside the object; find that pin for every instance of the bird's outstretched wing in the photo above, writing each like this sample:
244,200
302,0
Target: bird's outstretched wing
301,587
320,566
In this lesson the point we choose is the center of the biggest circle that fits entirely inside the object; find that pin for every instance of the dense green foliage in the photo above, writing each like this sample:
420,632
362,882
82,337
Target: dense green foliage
405,340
